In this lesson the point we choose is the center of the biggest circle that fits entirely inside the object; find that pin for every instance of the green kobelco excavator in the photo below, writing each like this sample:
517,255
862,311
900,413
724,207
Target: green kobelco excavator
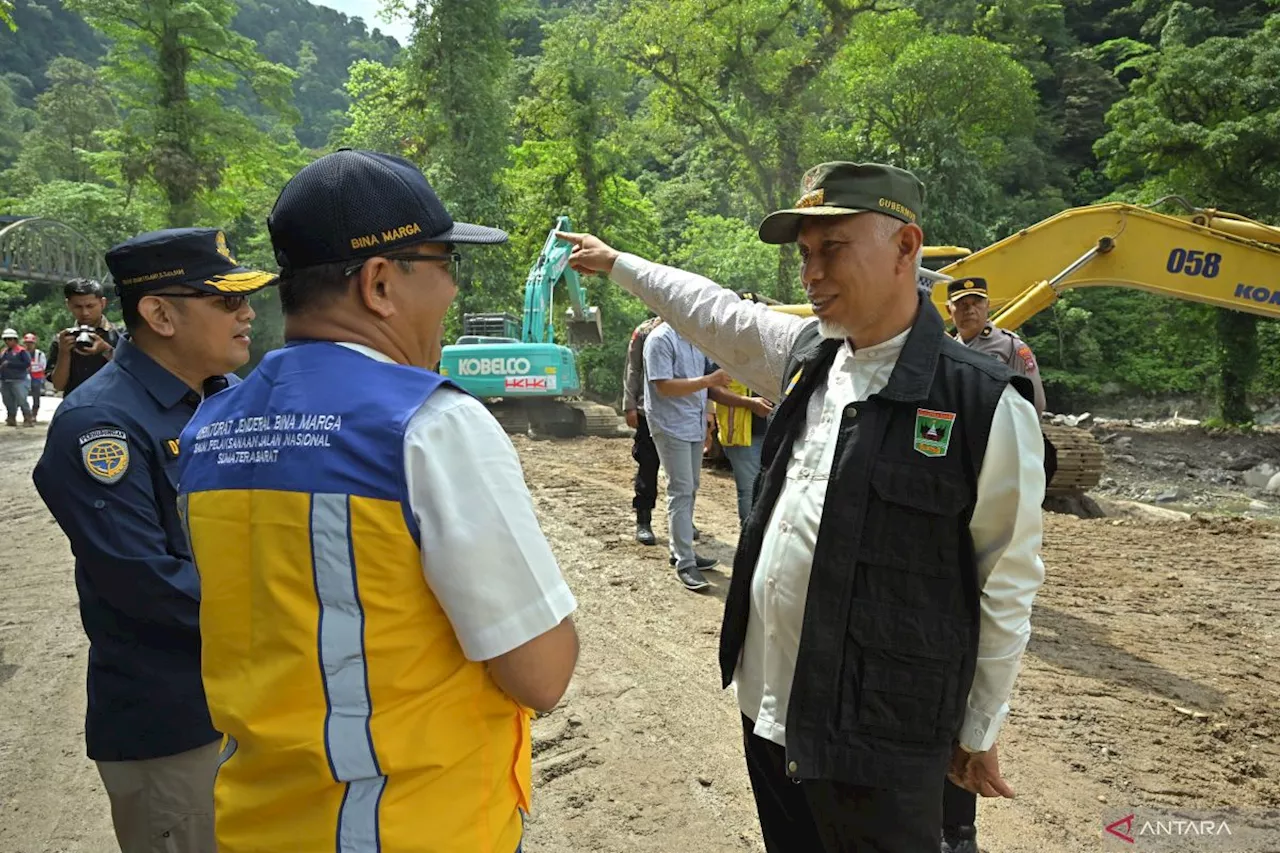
530,382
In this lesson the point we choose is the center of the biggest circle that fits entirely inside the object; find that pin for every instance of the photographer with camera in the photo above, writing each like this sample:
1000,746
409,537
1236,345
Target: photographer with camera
82,350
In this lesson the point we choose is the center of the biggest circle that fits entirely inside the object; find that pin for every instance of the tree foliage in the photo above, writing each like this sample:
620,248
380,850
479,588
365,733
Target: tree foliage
69,118
172,61
671,127
1202,120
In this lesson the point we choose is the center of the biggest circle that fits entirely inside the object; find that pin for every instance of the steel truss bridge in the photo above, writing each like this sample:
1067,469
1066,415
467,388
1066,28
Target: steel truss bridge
48,252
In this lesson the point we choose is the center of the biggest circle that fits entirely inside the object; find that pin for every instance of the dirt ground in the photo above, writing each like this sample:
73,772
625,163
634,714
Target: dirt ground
1152,679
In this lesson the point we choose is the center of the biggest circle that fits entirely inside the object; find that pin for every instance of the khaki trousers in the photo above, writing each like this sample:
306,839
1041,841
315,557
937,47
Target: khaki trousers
163,805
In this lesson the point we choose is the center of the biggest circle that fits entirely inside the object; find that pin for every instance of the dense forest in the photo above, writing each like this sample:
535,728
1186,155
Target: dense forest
670,127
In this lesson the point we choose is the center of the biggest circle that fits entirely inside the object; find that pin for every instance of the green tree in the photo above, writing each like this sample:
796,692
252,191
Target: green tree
14,119
69,116
380,117
173,63
957,110
1202,119
457,79
727,251
578,96
743,73
100,213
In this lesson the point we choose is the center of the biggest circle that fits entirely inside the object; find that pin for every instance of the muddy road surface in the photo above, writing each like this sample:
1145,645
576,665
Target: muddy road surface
1152,679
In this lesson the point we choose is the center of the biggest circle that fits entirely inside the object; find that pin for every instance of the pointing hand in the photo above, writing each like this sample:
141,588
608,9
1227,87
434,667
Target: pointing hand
590,254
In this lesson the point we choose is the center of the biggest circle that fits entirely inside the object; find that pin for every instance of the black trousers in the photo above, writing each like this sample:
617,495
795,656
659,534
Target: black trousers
646,456
830,817
959,807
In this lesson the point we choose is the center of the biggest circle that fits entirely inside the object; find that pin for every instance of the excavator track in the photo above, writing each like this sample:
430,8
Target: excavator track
557,418
598,419
1079,460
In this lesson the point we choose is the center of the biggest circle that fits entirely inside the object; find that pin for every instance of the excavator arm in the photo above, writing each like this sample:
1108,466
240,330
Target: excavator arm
1210,257
1203,256
583,321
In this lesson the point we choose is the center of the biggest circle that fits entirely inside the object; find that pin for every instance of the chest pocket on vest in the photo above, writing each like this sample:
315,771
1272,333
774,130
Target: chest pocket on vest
911,540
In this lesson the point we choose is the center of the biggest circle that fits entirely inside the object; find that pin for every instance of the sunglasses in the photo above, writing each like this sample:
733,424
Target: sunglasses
454,258
231,302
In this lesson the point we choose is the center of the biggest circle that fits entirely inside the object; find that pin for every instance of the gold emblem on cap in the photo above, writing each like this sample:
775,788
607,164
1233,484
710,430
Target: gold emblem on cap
221,242
968,284
813,198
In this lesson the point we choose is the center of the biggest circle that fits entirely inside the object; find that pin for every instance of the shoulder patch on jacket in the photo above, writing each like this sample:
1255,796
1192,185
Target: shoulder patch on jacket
1024,352
105,452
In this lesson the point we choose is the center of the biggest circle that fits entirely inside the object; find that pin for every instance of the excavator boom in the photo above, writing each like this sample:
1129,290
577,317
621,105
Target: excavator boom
552,266
1217,259
1207,256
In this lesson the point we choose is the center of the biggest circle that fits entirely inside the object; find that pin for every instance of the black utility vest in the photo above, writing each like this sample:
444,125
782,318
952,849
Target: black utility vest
890,630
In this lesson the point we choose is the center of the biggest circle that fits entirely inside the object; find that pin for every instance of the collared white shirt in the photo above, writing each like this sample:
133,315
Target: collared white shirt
483,552
752,344
780,585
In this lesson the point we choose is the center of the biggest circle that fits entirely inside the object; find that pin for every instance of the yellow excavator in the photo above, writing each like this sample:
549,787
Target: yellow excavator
1201,255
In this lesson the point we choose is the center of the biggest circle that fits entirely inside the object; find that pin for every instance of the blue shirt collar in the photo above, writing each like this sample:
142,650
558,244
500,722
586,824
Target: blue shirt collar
165,388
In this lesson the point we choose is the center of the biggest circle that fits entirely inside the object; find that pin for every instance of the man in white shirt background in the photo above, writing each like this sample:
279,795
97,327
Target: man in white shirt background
883,583
677,376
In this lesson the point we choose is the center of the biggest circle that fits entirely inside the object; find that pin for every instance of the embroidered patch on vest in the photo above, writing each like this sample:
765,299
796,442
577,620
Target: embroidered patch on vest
933,431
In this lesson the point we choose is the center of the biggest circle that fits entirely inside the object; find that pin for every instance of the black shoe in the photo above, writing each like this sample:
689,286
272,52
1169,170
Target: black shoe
702,562
644,532
959,839
692,579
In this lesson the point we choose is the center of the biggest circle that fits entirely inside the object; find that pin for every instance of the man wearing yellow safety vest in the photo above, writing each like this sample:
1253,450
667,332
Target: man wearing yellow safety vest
741,422
380,610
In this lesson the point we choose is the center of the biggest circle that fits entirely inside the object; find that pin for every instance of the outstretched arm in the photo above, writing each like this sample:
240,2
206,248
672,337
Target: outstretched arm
745,338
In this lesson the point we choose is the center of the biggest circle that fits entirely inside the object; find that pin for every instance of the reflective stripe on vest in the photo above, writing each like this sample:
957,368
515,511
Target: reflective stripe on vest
353,722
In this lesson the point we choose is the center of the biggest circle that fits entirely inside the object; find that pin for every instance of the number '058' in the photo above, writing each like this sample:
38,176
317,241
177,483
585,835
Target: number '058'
1194,262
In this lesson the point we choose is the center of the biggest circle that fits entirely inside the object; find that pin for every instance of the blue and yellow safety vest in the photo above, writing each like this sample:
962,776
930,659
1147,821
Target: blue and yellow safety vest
352,720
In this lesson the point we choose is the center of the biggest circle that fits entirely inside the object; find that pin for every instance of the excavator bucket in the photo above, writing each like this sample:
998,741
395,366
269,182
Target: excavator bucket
585,330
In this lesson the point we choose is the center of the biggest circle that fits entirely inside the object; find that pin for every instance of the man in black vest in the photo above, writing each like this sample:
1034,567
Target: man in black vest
883,583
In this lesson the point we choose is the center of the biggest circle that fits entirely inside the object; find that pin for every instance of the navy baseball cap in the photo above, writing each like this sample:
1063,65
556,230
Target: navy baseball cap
354,204
192,257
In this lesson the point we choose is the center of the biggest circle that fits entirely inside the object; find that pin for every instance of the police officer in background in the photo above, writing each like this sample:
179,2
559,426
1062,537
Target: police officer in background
109,475
970,310
643,450
78,353
380,607
882,588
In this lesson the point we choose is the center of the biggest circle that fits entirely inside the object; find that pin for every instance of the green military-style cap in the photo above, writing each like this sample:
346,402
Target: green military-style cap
839,189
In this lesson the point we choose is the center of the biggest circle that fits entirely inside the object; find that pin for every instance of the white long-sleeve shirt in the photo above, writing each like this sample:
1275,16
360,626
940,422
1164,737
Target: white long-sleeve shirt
752,343
483,552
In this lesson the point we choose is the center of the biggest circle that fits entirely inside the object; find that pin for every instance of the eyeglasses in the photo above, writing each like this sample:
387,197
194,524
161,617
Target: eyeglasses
454,258
231,302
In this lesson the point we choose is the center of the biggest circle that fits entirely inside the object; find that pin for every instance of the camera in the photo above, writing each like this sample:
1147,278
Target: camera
85,336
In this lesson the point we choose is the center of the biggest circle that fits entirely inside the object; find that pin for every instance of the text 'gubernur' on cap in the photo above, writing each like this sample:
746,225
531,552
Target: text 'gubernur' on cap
841,189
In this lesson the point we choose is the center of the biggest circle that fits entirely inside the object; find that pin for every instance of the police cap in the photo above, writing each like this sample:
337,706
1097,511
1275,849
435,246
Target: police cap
839,189
192,257
355,204
962,287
